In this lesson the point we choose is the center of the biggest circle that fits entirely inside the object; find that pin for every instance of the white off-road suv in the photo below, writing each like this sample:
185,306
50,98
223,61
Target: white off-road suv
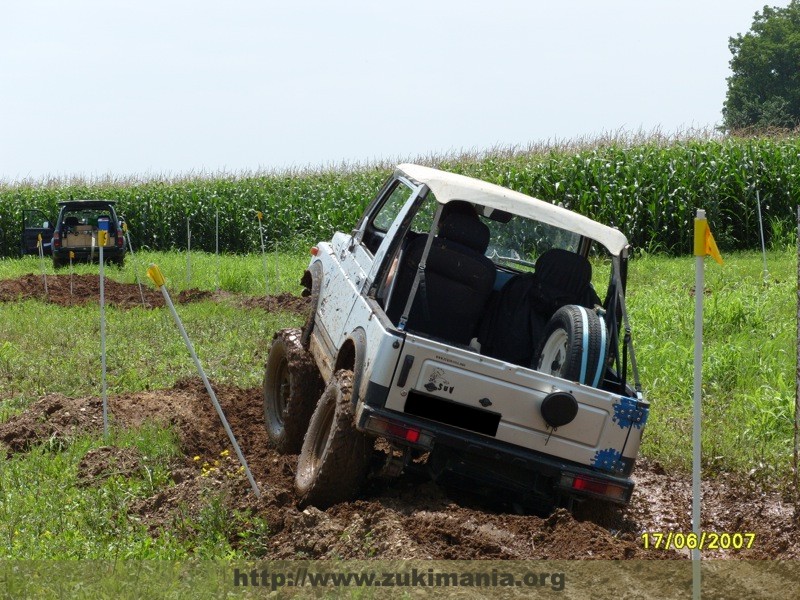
459,329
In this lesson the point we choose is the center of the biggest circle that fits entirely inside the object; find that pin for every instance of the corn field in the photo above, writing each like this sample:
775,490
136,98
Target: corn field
648,187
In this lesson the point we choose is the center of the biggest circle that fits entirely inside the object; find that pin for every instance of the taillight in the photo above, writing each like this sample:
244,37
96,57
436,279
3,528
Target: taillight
56,239
399,431
120,241
595,487
314,250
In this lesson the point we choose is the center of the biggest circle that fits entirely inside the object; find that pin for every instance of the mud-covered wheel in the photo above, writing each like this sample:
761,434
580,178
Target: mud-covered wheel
292,385
335,457
575,346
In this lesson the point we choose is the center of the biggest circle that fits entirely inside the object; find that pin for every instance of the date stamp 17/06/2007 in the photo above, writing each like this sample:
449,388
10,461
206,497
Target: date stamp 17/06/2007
705,540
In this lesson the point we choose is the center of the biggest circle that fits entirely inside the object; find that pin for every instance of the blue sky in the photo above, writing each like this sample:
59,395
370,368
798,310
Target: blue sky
170,87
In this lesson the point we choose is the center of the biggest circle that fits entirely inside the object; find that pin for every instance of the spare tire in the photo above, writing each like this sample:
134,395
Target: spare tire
292,386
574,346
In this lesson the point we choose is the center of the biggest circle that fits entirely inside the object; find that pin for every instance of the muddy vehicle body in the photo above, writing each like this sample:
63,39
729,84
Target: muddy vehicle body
458,329
75,230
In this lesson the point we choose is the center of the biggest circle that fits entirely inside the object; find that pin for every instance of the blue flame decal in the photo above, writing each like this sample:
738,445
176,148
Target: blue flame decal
608,460
628,412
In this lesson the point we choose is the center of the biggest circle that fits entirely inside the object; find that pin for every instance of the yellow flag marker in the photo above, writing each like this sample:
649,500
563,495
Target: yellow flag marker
154,273
39,241
704,243
259,214
71,255
102,237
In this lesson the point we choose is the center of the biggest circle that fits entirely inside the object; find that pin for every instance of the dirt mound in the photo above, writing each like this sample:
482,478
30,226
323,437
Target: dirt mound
53,417
104,462
409,517
66,290
283,301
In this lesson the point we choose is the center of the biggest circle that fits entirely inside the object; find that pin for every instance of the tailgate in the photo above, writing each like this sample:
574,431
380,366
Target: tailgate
492,398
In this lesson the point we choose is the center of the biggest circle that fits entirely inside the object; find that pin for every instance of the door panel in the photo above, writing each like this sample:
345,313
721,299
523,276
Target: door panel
35,223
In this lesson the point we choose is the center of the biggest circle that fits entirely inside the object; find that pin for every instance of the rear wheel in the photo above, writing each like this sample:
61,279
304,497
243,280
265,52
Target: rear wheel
334,460
575,346
292,385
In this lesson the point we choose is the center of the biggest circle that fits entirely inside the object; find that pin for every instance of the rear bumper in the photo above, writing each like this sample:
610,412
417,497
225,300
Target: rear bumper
473,461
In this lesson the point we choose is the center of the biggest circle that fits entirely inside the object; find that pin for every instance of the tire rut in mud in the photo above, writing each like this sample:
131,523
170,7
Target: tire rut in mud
407,518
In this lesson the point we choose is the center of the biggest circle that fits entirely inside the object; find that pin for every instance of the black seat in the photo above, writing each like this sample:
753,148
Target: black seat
458,280
562,277
516,317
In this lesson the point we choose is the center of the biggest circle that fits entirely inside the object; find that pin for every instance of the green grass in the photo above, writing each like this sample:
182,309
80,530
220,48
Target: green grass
749,378
45,348
239,273
749,351
46,514
48,348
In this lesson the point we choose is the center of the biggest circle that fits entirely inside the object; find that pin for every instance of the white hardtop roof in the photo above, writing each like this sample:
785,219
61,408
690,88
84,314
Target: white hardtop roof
450,186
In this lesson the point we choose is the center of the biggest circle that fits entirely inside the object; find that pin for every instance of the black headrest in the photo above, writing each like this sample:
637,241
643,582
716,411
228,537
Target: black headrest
563,269
465,229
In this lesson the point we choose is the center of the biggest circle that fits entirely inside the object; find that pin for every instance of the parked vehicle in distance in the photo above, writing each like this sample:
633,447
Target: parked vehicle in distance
75,230
458,328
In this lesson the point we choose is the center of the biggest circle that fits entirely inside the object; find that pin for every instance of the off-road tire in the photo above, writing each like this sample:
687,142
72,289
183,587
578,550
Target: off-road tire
57,263
574,346
292,386
335,457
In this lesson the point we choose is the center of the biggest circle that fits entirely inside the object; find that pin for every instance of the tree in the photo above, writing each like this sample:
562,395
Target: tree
764,89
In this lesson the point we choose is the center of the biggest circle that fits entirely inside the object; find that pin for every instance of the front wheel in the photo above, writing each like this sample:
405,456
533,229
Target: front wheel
335,457
575,346
292,385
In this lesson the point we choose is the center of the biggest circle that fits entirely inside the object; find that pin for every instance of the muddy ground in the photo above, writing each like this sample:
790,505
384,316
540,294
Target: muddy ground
410,517
66,290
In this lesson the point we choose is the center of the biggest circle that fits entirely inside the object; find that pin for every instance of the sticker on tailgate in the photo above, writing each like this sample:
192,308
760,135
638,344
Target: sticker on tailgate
438,382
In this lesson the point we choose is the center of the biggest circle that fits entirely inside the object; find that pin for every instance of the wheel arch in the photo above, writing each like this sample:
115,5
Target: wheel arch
312,282
352,355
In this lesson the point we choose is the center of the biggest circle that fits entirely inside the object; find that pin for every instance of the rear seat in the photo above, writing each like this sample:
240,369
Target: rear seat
516,316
